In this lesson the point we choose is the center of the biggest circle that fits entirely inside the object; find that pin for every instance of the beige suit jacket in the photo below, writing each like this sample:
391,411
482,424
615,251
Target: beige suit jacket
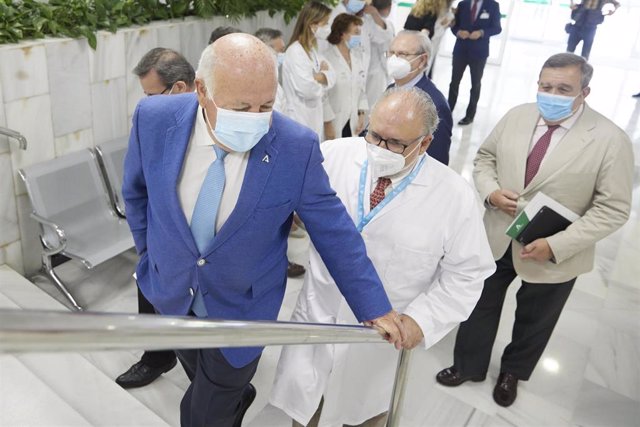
590,172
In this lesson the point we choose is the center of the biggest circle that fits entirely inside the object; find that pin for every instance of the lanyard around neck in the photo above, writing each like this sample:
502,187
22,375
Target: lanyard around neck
364,220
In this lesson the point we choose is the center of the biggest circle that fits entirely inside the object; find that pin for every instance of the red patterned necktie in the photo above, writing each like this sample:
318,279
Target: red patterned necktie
474,11
537,154
378,193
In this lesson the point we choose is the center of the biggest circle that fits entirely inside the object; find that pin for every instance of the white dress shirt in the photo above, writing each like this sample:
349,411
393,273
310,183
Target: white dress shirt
198,158
557,135
414,81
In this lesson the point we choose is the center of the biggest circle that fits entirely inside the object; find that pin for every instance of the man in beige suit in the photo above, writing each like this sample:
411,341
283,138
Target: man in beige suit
571,153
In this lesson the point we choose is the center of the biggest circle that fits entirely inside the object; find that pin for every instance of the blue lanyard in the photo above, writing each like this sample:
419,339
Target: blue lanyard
364,220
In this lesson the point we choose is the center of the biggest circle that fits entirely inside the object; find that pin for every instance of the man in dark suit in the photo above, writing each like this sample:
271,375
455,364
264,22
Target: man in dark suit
211,183
408,57
475,22
587,15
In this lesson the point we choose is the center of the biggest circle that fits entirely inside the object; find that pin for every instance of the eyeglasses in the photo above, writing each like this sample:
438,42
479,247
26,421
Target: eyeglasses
393,145
404,55
168,88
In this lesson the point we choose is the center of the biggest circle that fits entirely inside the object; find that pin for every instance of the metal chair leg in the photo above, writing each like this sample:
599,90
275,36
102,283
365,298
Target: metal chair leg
49,271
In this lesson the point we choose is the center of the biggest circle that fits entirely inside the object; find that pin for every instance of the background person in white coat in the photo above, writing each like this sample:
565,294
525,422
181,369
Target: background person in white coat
377,77
346,102
427,242
306,75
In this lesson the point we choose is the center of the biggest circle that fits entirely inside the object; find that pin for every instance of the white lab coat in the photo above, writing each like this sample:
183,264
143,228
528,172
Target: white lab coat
303,95
370,33
430,249
348,95
377,78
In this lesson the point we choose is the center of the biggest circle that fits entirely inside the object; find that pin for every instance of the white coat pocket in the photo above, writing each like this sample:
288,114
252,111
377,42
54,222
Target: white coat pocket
407,273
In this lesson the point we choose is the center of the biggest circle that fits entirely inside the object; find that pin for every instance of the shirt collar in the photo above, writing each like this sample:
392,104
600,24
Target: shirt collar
413,81
566,124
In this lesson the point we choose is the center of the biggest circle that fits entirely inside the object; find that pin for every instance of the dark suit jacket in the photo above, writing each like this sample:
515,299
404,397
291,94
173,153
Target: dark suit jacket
439,148
488,20
244,274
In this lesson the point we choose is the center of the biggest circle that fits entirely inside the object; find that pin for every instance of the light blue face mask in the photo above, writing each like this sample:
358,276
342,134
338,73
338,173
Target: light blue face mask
239,130
554,108
355,6
354,41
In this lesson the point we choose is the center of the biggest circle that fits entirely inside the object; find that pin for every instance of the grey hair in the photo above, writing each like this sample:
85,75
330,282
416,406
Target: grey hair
423,40
419,101
169,64
268,34
566,59
206,65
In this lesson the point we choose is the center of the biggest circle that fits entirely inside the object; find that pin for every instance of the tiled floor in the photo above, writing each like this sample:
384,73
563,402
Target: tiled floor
589,374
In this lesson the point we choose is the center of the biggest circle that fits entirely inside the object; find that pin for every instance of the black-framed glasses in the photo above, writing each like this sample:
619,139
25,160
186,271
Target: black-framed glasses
404,55
168,88
391,144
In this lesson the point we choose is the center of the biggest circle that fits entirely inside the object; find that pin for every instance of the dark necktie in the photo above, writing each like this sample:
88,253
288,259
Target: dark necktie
474,11
537,154
378,193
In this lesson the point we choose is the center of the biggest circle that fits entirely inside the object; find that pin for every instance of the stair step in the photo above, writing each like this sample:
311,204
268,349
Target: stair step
25,400
25,294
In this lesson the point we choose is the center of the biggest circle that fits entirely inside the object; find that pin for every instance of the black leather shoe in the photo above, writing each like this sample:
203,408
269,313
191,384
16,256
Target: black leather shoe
248,396
637,95
295,270
506,389
452,378
142,374
465,121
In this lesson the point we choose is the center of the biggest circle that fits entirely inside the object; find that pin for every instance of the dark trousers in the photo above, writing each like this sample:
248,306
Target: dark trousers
537,312
155,359
346,130
214,396
476,67
584,34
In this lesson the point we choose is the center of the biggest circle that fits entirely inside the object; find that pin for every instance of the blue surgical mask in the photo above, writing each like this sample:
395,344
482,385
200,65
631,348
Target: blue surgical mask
355,6
354,41
554,108
239,130
280,57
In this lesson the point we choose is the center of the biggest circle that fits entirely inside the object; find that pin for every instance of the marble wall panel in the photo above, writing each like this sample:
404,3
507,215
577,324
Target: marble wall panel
109,100
2,256
137,43
8,214
74,141
4,141
169,35
32,118
194,36
29,233
13,256
23,70
68,62
108,60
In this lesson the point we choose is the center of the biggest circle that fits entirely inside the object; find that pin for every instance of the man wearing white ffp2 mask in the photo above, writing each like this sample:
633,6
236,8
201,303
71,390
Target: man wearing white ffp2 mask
407,60
422,228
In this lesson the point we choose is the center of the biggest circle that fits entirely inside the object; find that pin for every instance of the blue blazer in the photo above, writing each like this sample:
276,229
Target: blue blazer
488,20
439,148
244,275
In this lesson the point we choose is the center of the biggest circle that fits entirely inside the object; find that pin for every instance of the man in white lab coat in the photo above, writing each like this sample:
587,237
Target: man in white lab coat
422,226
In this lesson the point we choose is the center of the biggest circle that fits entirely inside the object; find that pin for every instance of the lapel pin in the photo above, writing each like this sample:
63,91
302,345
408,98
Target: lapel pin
265,159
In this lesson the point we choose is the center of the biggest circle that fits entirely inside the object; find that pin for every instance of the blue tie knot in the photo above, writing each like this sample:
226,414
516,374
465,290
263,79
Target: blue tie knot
220,153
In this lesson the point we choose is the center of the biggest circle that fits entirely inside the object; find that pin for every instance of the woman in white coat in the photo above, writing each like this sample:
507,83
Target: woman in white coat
346,104
306,75
428,244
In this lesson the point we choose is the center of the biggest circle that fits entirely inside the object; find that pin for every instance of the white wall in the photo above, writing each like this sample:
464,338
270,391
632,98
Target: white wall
63,96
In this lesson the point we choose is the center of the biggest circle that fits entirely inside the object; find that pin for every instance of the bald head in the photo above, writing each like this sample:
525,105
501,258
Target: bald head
405,114
237,57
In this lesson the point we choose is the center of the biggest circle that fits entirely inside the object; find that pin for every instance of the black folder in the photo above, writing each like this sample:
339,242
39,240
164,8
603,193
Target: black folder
546,222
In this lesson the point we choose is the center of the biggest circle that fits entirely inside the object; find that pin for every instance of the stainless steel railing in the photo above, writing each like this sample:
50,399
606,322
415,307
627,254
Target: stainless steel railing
24,331
22,141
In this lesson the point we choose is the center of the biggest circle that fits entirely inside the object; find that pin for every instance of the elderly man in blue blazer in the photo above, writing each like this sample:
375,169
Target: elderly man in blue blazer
475,22
211,182
407,61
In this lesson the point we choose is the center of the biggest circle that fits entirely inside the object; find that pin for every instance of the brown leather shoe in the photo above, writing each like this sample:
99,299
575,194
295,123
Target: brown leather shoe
452,378
506,389
295,270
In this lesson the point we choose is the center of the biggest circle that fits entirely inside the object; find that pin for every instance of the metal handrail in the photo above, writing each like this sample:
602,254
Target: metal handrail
23,331
22,141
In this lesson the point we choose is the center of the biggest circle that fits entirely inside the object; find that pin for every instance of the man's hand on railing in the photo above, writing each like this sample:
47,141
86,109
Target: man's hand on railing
413,331
391,327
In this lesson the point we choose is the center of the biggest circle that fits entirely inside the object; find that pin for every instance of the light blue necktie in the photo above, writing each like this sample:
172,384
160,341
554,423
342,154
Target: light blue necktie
203,220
